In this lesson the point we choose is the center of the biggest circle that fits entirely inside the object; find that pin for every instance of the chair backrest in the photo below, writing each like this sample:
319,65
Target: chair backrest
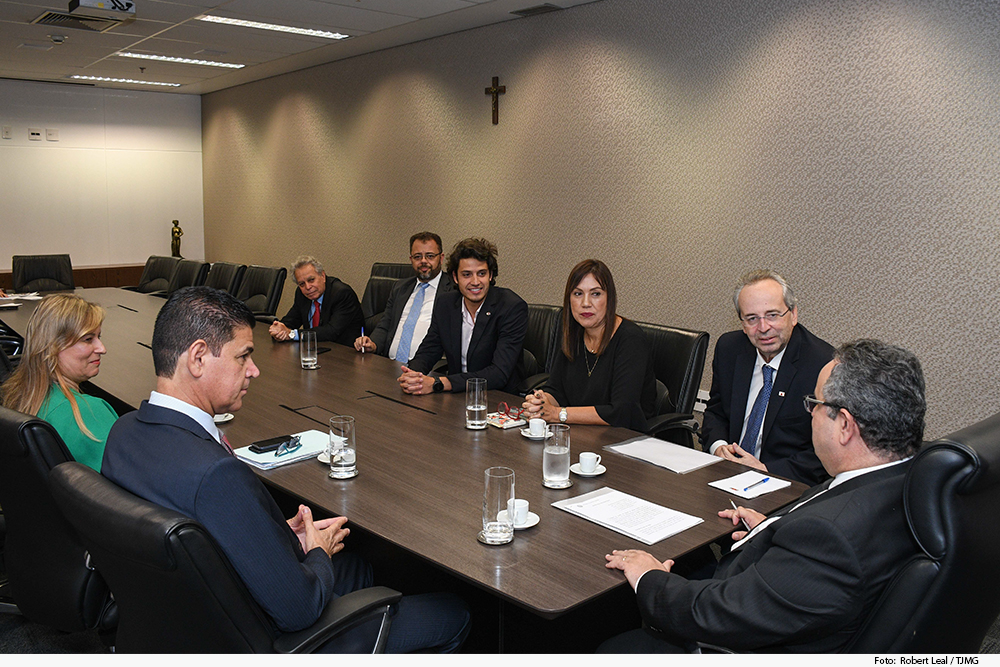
156,274
376,295
226,276
945,600
260,289
678,363
188,273
42,273
544,334
391,270
176,591
6,367
46,563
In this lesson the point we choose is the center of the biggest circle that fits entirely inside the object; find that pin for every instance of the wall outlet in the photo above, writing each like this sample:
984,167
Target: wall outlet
8,132
34,134
51,135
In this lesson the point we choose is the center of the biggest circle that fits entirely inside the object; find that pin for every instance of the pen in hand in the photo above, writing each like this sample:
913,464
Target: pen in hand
742,520
362,342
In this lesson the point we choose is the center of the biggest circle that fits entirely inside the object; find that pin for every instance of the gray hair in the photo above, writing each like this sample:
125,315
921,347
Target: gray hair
306,259
882,386
755,277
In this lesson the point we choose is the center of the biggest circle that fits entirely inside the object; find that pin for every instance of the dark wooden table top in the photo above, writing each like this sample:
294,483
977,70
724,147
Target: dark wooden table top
420,481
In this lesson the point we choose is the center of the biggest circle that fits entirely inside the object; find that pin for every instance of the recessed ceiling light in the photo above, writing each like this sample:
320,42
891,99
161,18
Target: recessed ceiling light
106,78
271,26
172,59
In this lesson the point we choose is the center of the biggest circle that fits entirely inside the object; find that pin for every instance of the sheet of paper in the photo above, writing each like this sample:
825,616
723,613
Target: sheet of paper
313,443
664,454
26,296
639,519
749,484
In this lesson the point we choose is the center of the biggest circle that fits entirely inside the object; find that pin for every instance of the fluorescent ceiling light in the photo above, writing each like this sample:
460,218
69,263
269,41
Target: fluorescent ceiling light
172,59
271,26
106,78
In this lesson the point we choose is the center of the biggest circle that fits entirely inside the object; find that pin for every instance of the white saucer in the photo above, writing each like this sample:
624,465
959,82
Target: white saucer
324,457
527,434
599,470
532,520
223,418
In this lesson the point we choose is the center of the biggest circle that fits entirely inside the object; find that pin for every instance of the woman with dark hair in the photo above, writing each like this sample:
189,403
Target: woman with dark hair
62,350
603,372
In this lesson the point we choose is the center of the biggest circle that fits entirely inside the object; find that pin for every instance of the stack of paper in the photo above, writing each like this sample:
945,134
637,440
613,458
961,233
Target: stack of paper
664,454
313,444
639,519
503,421
750,484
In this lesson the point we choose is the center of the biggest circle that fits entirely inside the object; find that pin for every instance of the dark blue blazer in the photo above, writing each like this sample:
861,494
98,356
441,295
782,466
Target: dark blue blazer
786,440
167,458
495,349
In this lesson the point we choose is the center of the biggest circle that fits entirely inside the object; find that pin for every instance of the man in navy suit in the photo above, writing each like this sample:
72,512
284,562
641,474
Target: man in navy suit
806,578
410,306
323,304
479,329
753,415
170,452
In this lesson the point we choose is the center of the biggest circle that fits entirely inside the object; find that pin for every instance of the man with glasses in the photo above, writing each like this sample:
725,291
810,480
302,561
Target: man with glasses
323,304
171,453
411,303
753,415
805,579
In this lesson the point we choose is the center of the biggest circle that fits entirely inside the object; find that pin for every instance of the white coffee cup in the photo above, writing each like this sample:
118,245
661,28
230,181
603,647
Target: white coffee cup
517,510
589,461
536,427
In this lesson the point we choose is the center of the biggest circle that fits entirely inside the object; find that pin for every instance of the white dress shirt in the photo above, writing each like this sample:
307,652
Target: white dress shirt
206,420
423,320
316,305
756,384
468,324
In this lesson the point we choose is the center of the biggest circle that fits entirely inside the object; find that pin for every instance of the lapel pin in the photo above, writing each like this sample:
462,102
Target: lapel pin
488,313
781,394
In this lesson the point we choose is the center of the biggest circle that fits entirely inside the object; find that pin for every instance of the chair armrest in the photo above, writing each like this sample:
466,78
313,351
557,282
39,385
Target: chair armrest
341,614
671,420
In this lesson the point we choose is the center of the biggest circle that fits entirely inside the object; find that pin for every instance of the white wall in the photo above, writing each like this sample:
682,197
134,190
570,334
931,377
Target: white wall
126,164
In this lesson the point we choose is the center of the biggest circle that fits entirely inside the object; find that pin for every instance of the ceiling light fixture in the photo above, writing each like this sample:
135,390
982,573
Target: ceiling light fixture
106,78
271,26
172,59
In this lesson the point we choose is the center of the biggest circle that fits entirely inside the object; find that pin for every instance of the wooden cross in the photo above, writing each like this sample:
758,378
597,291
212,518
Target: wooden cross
496,91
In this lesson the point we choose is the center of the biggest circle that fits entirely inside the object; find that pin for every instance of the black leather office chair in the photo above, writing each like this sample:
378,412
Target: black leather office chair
175,589
373,301
678,364
260,290
541,343
945,600
46,564
155,275
187,273
226,276
6,366
392,270
42,273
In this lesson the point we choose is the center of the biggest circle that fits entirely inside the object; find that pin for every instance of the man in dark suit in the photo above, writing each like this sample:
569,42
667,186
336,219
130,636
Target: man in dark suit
479,329
806,578
170,452
758,376
410,306
323,304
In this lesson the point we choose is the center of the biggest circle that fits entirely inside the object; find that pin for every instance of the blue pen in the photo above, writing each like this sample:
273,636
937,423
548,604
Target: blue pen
766,479
362,335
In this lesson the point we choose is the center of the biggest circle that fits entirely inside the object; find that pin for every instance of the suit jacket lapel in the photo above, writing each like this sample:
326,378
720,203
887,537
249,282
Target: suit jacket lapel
400,303
742,373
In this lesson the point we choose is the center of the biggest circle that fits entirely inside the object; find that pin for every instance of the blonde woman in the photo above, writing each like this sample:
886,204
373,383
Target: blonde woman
63,349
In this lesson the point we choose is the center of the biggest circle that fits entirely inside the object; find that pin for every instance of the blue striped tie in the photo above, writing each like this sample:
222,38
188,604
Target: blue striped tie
406,336
749,443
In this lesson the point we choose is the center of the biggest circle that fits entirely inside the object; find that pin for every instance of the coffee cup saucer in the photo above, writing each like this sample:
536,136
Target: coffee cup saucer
223,418
323,457
530,522
599,470
527,434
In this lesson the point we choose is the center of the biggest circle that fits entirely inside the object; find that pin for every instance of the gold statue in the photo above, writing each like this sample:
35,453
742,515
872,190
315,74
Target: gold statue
175,244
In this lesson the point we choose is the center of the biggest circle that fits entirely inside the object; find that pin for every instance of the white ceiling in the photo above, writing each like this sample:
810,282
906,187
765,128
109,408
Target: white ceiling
169,28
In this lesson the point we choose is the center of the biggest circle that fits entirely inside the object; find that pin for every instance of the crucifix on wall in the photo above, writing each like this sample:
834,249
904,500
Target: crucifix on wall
496,90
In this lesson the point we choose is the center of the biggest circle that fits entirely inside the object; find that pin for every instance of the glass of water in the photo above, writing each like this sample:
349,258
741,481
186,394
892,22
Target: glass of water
343,448
475,403
555,458
498,527
307,350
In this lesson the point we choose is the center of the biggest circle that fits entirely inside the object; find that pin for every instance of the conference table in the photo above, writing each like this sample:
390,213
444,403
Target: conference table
420,482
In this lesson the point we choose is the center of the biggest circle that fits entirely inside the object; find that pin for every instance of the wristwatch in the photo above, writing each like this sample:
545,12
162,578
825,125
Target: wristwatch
562,414
438,386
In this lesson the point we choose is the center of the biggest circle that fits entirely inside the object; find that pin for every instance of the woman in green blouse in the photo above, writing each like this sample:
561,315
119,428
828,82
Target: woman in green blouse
63,349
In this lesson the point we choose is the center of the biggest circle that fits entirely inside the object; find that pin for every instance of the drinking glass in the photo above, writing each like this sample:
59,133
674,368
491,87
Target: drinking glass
343,448
475,403
497,528
555,458
307,350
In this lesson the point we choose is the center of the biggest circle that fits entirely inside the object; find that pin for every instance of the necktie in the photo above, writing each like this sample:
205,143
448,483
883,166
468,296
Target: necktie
225,443
315,320
757,413
406,336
